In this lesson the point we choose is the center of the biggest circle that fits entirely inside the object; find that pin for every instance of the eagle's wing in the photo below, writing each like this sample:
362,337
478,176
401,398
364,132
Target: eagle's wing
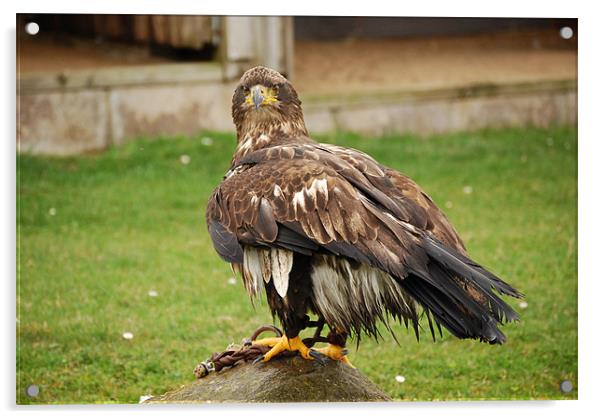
301,205
302,199
389,188
426,215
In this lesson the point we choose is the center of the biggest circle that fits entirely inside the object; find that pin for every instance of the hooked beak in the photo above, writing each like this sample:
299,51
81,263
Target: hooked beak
257,97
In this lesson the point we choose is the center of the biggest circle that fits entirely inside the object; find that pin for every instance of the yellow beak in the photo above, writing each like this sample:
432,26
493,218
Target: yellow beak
260,96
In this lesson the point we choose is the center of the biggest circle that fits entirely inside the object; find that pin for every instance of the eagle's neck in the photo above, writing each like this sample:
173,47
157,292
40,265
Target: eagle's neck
262,134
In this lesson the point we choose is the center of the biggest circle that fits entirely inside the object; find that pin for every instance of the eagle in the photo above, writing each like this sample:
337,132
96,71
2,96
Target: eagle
328,231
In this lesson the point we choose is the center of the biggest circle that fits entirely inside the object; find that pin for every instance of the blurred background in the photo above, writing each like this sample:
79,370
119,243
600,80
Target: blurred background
86,82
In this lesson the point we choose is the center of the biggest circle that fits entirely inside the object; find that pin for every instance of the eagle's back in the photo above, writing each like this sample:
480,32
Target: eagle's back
375,243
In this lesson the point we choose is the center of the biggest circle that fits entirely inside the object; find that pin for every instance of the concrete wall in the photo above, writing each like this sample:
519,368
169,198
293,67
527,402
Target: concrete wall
79,121
70,114
90,110
447,110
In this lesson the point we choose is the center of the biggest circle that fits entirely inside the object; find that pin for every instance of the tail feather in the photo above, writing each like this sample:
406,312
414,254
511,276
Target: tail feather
460,294
436,248
477,276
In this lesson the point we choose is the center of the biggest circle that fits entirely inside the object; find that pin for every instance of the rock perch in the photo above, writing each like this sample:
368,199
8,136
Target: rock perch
283,380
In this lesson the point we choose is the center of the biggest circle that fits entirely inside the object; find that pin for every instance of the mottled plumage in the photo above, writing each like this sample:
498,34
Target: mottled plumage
327,230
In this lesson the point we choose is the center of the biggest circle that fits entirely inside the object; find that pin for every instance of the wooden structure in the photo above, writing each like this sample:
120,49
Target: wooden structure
232,41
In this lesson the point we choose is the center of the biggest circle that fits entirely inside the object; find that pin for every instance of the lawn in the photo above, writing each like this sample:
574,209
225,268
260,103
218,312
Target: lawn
116,242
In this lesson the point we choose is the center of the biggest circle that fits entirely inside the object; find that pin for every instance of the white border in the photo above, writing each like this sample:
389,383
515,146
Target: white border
459,8
590,210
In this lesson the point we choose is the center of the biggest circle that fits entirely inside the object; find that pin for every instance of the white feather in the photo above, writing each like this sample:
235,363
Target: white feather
282,263
330,296
343,292
299,201
321,186
252,270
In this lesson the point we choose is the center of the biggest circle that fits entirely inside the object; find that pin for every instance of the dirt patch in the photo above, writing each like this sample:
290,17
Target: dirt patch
58,53
422,63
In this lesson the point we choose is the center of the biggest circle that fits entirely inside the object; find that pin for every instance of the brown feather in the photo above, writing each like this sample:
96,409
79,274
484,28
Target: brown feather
266,223
324,217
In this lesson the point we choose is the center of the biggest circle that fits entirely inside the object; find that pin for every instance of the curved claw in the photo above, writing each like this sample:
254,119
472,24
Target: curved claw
334,352
258,359
318,356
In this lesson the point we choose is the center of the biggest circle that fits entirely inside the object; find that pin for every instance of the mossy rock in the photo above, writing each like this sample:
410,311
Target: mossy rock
282,380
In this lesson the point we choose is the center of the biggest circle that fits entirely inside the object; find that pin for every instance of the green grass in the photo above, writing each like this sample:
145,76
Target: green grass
132,220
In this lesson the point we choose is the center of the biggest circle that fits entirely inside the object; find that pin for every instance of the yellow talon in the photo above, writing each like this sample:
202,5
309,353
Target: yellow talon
282,344
271,342
336,353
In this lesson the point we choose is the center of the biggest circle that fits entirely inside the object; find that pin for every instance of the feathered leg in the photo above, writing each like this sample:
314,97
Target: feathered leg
292,312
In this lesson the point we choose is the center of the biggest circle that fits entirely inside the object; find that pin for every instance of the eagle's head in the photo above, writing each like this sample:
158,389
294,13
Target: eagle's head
265,100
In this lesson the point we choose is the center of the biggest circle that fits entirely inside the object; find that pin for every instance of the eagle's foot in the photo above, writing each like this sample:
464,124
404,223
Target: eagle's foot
334,352
282,344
